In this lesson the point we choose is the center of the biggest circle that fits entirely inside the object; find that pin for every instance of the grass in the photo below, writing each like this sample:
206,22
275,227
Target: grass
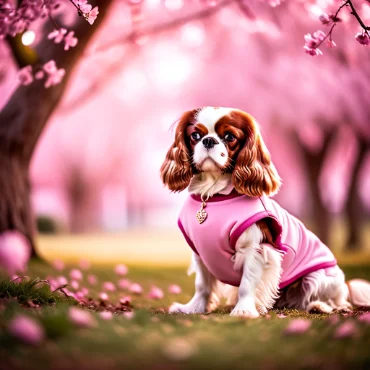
155,340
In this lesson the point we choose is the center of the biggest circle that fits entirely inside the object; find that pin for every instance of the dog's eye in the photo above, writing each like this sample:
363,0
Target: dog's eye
195,136
229,137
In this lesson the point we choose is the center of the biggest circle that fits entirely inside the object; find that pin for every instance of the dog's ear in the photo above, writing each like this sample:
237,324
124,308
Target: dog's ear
176,170
254,173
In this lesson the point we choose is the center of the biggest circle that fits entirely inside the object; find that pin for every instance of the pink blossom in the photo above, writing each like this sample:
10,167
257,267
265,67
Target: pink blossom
57,264
136,288
25,76
15,251
92,15
84,6
79,296
103,296
129,315
331,44
50,67
281,316
57,35
76,274
92,279
81,318
74,284
62,280
84,291
297,326
70,41
174,289
121,270
55,79
313,52
26,330
345,330
106,315
109,286
326,19
124,284
84,264
156,293
362,38
125,300
365,318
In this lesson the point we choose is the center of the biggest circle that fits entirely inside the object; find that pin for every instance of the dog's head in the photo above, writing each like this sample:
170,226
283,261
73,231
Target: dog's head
223,140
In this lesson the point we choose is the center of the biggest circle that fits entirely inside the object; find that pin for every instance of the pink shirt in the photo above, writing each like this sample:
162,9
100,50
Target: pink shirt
230,215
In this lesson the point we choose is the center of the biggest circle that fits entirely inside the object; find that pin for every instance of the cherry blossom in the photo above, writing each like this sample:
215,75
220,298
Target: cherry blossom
92,279
156,293
345,330
109,286
57,264
92,15
125,300
103,296
121,270
57,35
106,315
76,274
62,280
124,284
174,289
313,42
81,318
297,326
26,330
74,284
25,76
136,288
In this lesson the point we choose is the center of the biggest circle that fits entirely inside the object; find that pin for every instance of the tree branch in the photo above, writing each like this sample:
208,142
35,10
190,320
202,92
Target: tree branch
166,26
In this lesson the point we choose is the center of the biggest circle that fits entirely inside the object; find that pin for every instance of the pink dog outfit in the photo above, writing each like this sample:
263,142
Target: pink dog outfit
228,216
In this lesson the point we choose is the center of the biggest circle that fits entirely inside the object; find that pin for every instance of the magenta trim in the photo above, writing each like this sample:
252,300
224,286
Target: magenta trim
191,244
244,226
308,271
218,197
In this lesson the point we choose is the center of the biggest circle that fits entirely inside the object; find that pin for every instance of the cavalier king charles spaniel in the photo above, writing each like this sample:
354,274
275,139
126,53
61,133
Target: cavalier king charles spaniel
246,247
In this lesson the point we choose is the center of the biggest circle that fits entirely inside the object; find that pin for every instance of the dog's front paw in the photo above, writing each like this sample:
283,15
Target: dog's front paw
195,307
247,311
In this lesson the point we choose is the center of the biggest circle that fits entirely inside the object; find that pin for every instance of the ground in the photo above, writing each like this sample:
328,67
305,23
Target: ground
156,340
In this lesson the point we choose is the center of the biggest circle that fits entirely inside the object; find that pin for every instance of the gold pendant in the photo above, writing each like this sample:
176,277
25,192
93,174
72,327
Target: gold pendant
202,214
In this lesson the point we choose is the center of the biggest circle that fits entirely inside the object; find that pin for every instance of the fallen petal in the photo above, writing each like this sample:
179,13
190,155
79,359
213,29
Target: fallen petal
26,330
136,288
124,284
109,286
121,270
76,274
106,315
297,326
174,289
156,293
103,296
345,330
81,318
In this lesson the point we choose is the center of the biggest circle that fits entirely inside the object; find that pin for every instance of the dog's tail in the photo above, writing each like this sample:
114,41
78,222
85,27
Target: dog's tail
359,292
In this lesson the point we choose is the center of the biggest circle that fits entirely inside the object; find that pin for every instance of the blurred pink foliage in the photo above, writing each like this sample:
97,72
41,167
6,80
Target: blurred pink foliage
81,318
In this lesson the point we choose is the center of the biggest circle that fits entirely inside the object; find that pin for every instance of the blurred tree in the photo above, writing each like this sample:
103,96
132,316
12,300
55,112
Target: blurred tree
23,119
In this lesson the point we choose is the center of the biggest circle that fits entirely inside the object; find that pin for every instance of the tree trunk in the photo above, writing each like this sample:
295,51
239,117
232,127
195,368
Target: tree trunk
354,209
23,119
321,218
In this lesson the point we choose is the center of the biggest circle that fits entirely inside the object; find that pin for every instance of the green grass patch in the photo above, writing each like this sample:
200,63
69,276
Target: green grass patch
153,339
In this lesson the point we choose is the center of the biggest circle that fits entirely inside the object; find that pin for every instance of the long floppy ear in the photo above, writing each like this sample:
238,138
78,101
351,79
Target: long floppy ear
254,172
176,170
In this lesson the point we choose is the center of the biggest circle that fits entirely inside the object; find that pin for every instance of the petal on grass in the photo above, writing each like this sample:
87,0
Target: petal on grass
297,327
26,330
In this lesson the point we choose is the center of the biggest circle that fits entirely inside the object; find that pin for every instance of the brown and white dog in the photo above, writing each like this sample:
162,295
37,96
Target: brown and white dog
219,151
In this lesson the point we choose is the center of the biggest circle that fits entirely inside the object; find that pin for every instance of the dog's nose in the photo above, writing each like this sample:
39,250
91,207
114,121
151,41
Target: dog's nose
209,142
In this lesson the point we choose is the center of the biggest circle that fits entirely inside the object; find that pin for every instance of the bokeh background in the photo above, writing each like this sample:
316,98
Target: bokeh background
95,180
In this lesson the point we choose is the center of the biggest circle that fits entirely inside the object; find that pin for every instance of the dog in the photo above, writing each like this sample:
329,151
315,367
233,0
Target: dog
246,247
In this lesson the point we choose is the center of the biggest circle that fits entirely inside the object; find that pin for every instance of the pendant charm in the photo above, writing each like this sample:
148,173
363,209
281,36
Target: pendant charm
202,214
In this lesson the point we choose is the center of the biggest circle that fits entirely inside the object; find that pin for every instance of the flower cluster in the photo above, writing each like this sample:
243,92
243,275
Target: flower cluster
86,10
327,20
14,21
313,42
60,35
49,71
